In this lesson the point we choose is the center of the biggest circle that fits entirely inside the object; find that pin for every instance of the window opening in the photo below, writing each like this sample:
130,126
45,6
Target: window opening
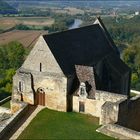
81,107
40,67
20,86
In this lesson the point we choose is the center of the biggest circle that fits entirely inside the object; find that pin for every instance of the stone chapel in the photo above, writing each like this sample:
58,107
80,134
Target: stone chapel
74,70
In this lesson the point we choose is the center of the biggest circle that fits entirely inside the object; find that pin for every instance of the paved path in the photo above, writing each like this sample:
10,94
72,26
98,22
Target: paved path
26,123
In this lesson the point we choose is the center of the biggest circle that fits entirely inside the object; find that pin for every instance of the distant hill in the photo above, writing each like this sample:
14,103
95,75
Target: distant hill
71,0
5,8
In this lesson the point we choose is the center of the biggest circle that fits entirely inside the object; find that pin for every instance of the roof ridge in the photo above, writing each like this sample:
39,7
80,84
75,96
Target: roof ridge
106,33
58,32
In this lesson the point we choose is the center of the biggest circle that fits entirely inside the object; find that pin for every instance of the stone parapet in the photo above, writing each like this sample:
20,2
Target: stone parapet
108,96
124,131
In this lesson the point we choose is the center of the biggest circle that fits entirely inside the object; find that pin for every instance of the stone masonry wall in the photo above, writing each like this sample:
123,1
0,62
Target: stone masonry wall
109,113
55,90
105,106
110,109
92,107
125,112
108,96
26,86
41,69
41,55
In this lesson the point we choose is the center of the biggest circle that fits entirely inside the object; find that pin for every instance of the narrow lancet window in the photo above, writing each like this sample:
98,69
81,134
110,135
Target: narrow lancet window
40,67
20,86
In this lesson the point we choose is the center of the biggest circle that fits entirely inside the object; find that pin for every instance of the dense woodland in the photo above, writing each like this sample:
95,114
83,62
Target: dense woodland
12,56
126,34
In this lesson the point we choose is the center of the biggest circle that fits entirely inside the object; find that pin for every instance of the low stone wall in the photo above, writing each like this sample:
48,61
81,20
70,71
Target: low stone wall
8,124
124,112
124,131
108,96
92,107
110,111
105,106
112,108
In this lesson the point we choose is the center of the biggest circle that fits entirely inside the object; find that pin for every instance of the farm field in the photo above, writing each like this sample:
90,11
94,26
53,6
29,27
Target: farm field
49,124
68,10
38,21
6,23
9,22
26,38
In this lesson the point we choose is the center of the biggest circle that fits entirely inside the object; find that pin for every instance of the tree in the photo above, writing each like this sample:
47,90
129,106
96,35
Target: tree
22,27
3,57
12,56
129,56
15,55
134,80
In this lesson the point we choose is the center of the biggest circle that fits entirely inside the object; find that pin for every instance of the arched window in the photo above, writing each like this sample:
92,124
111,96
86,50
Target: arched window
40,67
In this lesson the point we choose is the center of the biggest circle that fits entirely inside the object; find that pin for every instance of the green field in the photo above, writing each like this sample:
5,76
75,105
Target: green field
50,124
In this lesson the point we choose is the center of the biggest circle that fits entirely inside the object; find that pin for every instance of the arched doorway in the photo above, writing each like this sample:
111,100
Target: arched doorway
40,97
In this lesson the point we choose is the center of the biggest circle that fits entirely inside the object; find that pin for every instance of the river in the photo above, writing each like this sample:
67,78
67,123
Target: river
76,24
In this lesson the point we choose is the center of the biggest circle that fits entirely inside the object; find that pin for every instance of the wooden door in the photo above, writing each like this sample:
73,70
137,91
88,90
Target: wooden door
40,98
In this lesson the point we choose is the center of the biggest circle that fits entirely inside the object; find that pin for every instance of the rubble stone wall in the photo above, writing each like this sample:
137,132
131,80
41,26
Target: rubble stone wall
108,96
92,107
5,128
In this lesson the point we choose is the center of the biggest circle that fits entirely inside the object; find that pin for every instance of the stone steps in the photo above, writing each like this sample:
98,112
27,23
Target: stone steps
26,123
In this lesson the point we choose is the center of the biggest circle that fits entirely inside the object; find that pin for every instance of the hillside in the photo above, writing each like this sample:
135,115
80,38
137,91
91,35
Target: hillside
5,8
75,3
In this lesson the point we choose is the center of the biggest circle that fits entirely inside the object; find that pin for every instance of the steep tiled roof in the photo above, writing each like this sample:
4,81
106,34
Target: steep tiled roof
90,46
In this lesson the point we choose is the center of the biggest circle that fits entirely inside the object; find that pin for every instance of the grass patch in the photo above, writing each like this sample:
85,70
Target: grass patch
7,104
49,124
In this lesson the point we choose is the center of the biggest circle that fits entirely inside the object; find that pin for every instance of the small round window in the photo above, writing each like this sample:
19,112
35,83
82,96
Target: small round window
40,90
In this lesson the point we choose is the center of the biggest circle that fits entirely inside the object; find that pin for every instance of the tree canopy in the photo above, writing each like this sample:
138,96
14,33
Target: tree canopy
12,56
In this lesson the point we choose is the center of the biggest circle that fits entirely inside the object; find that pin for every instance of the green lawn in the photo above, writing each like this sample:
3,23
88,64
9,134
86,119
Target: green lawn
7,104
49,124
